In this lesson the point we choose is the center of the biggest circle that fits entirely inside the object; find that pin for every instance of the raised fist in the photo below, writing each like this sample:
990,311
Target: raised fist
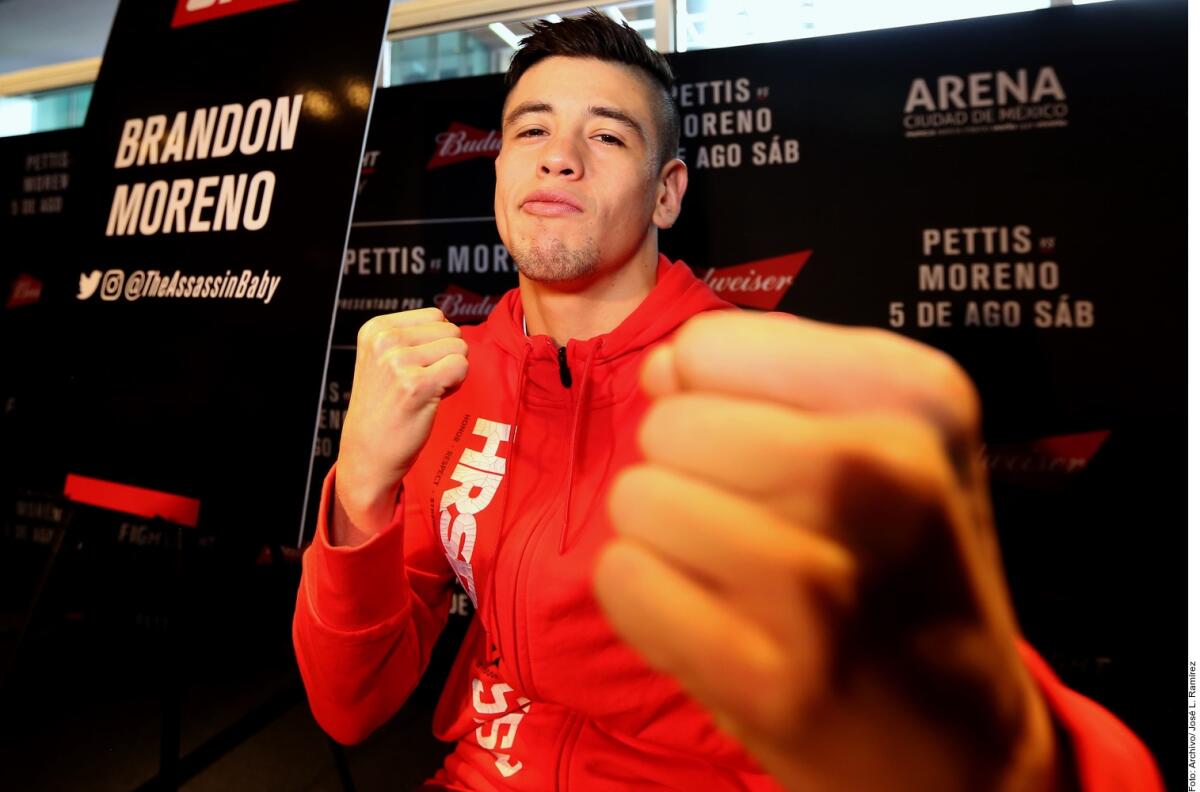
406,363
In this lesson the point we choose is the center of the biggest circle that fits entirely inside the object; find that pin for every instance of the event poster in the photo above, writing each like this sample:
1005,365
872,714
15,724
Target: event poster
212,187
36,196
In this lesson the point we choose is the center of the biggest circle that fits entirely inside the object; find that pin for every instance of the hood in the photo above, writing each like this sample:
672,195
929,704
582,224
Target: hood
677,296
593,372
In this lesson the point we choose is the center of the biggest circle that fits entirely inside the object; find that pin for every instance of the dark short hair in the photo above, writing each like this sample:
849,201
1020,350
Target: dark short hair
594,35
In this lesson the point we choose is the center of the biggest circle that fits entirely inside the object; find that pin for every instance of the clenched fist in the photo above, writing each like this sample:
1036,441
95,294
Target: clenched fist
406,363
809,549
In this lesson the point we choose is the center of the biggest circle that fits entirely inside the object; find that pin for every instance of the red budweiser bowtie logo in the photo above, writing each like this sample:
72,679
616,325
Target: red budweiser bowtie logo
463,142
459,305
1045,462
26,290
189,12
758,284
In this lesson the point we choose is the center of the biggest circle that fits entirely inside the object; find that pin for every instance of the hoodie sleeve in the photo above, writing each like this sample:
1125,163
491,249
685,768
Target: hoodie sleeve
367,619
1105,756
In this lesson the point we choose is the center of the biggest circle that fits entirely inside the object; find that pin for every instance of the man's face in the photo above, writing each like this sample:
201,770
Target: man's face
577,174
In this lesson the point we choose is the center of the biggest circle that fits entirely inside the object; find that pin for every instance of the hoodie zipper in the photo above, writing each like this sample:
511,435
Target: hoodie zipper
564,371
519,651
531,541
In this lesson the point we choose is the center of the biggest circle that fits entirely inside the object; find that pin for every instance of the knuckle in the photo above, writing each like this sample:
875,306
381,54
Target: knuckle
627,495
366,330
379,343
431,314
410,383
656,426
399,361
404,336
957,391
698,333
946,395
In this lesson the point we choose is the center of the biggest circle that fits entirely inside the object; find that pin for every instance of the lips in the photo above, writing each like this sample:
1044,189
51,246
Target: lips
551,203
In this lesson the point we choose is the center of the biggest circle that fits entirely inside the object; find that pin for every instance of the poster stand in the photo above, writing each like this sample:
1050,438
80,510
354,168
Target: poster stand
175,768
22,620
341,763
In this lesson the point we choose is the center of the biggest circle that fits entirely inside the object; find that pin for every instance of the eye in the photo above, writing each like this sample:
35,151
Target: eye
611,140
531,132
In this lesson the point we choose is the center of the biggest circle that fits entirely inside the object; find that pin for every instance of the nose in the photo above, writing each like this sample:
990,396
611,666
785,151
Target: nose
560,157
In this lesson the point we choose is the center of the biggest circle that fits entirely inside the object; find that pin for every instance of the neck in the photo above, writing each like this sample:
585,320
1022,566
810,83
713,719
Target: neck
591,306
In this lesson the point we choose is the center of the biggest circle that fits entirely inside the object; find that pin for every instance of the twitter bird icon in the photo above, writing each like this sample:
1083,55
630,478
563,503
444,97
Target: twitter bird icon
87,284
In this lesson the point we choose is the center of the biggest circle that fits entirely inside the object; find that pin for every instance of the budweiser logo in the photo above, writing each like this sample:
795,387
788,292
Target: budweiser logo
1046,462
463,142
189,12
459,305
26,290
759,284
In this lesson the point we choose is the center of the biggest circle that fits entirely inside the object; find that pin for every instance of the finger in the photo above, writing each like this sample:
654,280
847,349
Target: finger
377,327
414,335
723,659
447,373
877,482
426,354
736,544
659,375
406,318
418,386
815,366
381,339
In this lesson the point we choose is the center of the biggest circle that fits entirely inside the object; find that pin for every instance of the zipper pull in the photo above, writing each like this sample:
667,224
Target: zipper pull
564,373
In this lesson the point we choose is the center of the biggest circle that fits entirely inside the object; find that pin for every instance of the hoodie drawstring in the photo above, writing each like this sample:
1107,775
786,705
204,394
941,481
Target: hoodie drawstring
575,424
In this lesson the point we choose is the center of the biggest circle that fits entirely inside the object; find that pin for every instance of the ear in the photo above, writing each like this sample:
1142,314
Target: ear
668,195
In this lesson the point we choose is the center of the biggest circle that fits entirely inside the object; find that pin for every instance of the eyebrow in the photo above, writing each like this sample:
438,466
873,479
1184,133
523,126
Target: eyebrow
620,116
613,113
524,109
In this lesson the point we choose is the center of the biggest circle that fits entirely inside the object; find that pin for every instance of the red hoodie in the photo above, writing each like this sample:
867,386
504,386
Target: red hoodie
543,695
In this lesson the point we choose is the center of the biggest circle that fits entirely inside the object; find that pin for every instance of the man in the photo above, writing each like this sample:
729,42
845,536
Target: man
789,519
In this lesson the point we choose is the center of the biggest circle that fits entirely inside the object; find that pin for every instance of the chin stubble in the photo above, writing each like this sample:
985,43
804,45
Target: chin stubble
553,261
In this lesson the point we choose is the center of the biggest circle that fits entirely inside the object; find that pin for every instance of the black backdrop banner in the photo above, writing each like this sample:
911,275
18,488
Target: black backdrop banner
1002,189
423,232
213,187
36,192
996,188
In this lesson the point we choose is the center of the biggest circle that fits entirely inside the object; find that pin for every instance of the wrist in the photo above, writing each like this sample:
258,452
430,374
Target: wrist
363,507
